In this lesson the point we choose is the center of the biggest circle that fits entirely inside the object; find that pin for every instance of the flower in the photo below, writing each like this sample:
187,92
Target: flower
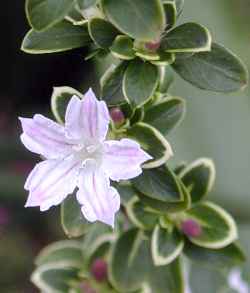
236,282
77,155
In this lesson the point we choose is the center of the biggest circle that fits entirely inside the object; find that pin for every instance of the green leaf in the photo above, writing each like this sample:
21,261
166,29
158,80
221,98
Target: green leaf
222,259
61,37
179,5
218,70
170,13
60,99
125,190
111,84
129,261
72,220
167,279
153,142
188,37
67,250
166,114
166,78
43,14
54,277
165,59
199,178
218,227
131,267
102,32
166,246
140,19
140,82
140,216
161,190
122,48
84,4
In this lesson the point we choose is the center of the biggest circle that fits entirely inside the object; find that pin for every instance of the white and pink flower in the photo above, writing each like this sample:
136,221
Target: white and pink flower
78,156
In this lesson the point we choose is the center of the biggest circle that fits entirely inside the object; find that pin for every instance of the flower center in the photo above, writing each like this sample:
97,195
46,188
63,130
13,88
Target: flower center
89,152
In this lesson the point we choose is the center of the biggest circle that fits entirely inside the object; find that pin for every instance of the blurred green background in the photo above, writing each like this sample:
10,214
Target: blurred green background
216,126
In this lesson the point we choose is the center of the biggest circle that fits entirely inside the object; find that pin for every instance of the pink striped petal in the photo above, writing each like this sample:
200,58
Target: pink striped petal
45,137
50,182
87,119
99,200
123,159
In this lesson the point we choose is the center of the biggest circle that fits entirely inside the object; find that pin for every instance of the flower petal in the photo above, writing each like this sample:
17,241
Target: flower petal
122,159
45,137
87,119
50,182
99,200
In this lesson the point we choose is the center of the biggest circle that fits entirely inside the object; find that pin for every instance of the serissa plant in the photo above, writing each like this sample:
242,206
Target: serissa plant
115,151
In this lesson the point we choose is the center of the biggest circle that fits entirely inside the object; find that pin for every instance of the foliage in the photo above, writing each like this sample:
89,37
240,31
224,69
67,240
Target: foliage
145,252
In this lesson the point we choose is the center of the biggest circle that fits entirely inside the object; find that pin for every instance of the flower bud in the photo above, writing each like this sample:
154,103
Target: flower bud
152,46
191,228
117,116
99,270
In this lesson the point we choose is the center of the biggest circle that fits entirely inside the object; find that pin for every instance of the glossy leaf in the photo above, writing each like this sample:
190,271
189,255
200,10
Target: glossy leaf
43,14
153,142
122,48
54,277
219,70
140,82
170,13
61,37
199,178
60,99
161,190
126,191
129,17
102,32
222,259
166,114
73,222
140,216
67,250
84,4
218,227
166,246
166,78
165,59
111,84
188,37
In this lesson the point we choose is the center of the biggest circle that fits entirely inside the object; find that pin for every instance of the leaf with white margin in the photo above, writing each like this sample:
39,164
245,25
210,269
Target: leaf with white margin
218,226
65,250
199,177
43,14
166,245
73,222
153,142
140,82
60,99
140,216
129,17
62,37
54,277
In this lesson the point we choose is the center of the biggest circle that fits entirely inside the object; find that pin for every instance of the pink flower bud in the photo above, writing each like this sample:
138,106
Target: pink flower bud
117,116
152,46
191,228
99,270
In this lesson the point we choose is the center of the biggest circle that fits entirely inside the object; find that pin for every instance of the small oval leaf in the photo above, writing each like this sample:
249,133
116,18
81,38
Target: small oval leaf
219,70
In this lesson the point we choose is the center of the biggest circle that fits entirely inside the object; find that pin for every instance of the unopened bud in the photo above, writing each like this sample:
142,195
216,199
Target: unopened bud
152,46
117,115
191,228
99,270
